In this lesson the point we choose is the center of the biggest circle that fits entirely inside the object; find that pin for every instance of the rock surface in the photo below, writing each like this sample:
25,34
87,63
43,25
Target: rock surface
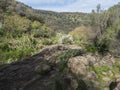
59,67
101,71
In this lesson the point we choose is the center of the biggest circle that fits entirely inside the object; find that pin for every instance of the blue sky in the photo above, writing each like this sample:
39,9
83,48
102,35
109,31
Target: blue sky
69,5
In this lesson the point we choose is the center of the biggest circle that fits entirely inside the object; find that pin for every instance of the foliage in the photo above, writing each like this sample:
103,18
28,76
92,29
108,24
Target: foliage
14,26
82,35
91,48
108,41
18,37
66,55
13,49
117,64
23,28
41,30
58,84
56,21
64,38
98,71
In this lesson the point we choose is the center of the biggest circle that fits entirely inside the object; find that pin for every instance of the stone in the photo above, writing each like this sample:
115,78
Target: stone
104,73
42,68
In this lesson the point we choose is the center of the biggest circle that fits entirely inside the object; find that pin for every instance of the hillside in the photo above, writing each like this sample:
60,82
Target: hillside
64,21
56,21
24,29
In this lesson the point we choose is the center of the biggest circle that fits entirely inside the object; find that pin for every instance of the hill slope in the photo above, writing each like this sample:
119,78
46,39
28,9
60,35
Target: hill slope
56,21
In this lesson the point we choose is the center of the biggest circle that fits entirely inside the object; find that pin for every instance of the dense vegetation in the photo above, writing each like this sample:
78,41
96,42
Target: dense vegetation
57,21
24,31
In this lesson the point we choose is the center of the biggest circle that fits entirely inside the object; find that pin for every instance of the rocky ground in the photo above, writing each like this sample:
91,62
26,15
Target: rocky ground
62,67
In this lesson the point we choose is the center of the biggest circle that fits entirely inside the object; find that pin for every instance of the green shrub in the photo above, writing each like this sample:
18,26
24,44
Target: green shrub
13,55
47,42
91,48
109,41
64,38
82,35
65,57
4,46
117,64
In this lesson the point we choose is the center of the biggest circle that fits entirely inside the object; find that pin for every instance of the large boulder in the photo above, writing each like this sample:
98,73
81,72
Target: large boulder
97,71
38,72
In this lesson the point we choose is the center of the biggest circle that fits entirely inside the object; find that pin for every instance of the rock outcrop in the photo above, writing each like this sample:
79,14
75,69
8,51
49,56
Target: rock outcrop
96,70
61,67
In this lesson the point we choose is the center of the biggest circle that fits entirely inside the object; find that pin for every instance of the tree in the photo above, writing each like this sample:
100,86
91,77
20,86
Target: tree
98,8
4,4
15,25
93,18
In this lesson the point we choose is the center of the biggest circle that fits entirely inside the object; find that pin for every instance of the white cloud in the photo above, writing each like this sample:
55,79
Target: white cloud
69,5
88,5
46,1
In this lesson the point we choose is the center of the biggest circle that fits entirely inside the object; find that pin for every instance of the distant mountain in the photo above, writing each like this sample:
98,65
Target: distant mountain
64,21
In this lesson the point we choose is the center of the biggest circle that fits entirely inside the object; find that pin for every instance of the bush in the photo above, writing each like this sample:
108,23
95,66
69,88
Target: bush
13,55
64,39
91,48
109,41
4,46
82,35
13,49
47,42
15,26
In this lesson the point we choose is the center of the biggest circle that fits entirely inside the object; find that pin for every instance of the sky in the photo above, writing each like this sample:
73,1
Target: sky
69,5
